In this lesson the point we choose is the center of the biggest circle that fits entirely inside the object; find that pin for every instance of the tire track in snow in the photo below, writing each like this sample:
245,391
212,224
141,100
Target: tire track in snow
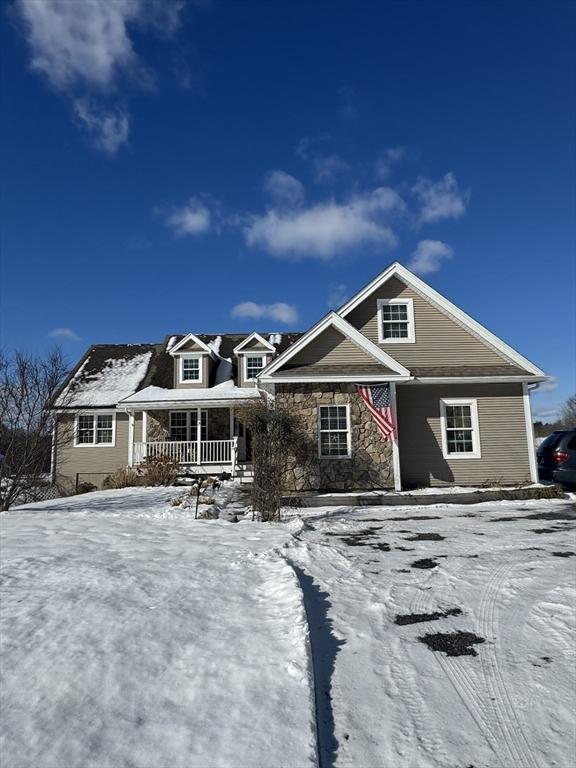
512,723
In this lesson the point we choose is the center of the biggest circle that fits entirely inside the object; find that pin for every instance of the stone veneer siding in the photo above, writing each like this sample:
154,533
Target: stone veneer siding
158,426
370,466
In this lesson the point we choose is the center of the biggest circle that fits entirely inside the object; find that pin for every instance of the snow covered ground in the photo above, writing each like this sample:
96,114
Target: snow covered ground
134,636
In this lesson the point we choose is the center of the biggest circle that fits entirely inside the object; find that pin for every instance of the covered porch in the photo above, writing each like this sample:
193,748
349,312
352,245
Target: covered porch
202,434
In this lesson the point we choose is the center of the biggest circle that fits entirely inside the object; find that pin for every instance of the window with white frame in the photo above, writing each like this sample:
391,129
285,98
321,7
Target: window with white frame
190,369
395,321
460,434
95,428
254,364
333,431
183,425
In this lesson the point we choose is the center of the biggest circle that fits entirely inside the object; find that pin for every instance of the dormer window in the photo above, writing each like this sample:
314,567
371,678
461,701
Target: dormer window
396,321
190,369
254,364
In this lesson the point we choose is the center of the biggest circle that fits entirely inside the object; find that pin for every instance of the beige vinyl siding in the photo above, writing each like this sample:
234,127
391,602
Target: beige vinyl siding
440,340
253,346
138,427
330,348
242,382
96,461
205,363
502,427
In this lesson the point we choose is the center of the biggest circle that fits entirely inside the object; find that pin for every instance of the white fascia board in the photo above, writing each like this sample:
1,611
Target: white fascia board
185,340
477,379
332,319
396,269
382,377
183,405
259,338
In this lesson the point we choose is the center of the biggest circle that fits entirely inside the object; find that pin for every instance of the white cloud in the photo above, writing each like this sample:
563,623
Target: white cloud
337,295
283,189
194,218
64,333
548,386
326,167
324,230
429,256
440,200
546,413
281,312
83,46
108,129
387,159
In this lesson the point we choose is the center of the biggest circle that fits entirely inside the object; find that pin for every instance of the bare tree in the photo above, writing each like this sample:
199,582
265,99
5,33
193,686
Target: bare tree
275,437
28,386
568,412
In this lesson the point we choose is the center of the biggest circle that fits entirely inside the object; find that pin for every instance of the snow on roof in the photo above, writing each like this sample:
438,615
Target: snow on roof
171,342
275,339
118,379
224,391
215,344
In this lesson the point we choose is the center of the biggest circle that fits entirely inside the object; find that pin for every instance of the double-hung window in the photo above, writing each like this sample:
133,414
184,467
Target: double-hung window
460,434
333,431
95,429
190,369
183,425
395,321
254,364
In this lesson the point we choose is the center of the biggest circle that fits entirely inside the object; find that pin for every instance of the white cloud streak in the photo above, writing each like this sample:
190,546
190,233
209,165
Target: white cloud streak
326,167
429,256
441,199
337,295
283,189
64,333
82,47
191,219
325,230
279,311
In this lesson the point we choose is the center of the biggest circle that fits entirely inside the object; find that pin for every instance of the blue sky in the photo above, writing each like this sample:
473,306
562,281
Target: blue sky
227,166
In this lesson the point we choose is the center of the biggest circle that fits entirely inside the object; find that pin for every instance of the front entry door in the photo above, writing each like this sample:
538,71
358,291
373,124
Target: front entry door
240,433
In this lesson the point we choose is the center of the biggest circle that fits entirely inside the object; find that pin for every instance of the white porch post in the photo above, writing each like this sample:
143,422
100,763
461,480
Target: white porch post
231,423
130,438
198,435
530,434
395,448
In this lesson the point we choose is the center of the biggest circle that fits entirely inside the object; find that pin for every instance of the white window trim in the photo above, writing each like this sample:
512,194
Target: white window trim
348,431
189,425
246,355
476,452
411,338
200,378
94,444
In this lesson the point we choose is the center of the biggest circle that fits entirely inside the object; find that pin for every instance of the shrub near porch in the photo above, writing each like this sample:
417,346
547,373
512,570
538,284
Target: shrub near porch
370,465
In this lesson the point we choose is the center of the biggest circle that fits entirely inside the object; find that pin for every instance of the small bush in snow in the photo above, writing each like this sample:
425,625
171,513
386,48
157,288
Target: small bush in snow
124,477
158,470
86,487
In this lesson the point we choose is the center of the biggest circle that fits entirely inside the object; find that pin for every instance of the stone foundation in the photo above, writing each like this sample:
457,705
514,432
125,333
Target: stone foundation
370,466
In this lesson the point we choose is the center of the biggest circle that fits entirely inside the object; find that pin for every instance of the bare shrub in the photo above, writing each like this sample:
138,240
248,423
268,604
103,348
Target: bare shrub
275,438
86,487
158,470
123,477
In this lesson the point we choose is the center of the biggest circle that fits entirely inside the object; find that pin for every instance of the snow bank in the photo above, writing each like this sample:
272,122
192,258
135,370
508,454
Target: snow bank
150,642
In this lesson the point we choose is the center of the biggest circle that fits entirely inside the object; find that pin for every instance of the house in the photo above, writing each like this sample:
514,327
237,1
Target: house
458,395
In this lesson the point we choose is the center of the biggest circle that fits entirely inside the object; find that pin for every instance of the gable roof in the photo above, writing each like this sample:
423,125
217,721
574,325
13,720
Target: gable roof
464,320
255,337
343,326
190,338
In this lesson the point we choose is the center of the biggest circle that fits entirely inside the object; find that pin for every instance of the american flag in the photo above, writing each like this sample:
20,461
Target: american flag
377,398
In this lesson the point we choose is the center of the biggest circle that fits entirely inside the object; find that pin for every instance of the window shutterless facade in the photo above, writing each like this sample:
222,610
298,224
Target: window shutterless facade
460,431
253,365
183,425
396,321
334,431
191,369
95,429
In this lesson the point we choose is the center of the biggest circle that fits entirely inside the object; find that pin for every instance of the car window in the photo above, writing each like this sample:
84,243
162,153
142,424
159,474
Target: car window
572,444
551,440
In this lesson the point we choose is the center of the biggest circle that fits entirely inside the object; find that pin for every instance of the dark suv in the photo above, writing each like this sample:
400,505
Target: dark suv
557,458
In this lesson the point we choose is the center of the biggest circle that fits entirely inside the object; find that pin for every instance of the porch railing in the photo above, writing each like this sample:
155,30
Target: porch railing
186,451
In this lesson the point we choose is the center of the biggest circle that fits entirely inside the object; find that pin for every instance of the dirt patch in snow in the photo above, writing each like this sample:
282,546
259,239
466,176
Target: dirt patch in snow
424,563
564,554
426,537
453,643
418,517
416,618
